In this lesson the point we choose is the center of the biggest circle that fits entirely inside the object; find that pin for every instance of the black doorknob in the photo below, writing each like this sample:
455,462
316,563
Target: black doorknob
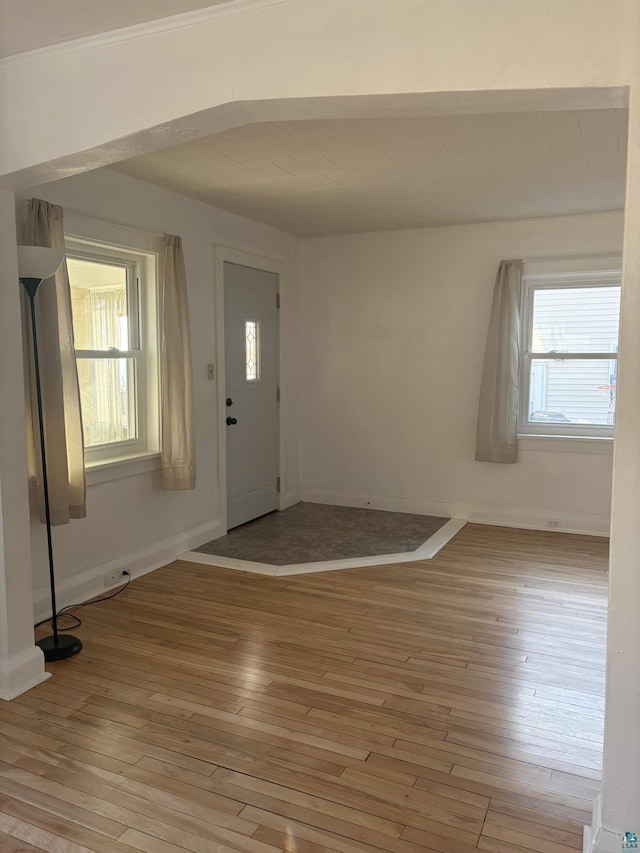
229,401
231,421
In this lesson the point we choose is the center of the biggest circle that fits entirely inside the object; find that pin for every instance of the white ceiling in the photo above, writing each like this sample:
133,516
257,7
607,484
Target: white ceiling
313,178
31,24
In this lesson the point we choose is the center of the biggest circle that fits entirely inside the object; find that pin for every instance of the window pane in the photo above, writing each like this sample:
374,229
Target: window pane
576,319
252,351
572,391
107,395
100,305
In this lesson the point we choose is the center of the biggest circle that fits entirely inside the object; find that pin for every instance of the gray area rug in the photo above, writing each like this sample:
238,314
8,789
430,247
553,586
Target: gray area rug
307,533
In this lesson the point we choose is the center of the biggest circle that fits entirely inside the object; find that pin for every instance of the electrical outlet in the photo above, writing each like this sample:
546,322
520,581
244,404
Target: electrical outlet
112,578
553,522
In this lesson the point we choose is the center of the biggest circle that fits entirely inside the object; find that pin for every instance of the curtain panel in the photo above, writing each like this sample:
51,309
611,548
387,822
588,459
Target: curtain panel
178,438
497,428
64,440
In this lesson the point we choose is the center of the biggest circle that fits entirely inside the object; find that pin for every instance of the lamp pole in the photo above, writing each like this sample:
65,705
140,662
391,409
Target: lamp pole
57,646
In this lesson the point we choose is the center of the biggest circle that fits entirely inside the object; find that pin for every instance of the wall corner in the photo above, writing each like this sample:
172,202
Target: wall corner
21,672
597,838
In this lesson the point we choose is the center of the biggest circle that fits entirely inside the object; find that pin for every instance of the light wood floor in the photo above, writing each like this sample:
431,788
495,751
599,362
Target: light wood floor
448,705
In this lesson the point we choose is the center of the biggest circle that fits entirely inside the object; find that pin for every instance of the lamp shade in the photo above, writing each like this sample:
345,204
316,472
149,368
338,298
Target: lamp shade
38,262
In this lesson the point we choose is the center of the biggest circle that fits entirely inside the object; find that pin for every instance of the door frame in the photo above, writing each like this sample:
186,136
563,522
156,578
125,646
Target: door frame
226,254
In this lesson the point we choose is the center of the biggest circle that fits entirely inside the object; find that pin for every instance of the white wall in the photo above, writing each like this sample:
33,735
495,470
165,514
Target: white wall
132,521
218,70
394,327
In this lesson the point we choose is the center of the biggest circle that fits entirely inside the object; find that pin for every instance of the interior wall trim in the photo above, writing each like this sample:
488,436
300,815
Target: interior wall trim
495,514
21,672
138,31
90,583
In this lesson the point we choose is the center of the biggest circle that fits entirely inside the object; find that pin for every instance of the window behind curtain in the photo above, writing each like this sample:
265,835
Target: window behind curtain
107,294
570,354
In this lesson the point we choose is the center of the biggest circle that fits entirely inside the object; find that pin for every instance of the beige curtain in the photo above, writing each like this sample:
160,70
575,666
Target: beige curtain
178,440
61,397
497,431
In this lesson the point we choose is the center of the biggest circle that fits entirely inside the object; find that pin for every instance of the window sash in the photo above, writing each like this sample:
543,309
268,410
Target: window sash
531,284
137,444
109,353
132,270
558,356
131,263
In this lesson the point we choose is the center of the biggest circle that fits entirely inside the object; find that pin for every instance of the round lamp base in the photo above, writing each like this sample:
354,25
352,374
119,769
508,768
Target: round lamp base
65,647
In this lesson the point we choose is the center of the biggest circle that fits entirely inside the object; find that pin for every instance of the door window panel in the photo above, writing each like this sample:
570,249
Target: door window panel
252,350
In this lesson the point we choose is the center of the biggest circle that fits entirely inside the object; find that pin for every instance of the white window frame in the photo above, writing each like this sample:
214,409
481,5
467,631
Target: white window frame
142,276
555,281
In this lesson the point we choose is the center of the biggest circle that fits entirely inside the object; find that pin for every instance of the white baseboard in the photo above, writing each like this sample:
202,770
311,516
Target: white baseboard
229,563
598,839
499,515
528,519
289,499
21,672
90,583
426,551
590,831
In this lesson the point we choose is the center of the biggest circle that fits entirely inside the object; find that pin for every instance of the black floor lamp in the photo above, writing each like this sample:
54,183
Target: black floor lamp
35,264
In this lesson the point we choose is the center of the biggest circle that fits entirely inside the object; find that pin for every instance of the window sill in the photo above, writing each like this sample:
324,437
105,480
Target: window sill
564,444
125,466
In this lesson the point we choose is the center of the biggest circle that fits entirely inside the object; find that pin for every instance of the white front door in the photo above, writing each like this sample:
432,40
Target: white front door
251,390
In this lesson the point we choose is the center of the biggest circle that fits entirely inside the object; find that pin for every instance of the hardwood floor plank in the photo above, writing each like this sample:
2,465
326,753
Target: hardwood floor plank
43,829
534,828
163,838
236,723
447,705
47,801
13,845
450,785
522,839
573,827
288,841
